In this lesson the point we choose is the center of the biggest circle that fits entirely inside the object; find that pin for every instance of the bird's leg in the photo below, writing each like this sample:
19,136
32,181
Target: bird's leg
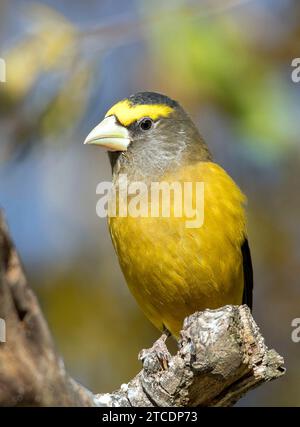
158,355
165,334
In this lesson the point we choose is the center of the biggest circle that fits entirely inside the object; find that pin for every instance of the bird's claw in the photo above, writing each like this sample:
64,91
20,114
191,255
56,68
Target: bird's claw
156,357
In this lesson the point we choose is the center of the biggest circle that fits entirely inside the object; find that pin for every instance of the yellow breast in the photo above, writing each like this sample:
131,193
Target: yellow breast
173,270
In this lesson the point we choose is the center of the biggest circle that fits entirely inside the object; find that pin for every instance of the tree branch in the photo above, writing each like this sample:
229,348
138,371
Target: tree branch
221,355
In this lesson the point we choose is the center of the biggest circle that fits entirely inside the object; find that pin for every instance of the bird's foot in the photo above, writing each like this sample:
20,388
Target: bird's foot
157,356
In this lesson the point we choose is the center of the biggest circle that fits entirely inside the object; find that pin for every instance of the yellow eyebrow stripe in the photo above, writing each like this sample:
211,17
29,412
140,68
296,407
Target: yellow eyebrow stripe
127,113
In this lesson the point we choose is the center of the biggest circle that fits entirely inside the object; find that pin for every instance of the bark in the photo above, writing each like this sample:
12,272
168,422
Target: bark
221,355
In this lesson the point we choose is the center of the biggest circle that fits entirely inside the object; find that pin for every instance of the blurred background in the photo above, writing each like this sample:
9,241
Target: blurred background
229,63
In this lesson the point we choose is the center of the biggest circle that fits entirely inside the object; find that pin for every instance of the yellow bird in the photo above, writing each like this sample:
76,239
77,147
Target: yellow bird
173,268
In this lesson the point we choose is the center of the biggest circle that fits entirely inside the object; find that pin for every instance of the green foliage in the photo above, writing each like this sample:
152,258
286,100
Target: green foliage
212,61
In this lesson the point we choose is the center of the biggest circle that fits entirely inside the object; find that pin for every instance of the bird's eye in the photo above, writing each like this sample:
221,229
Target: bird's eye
146,123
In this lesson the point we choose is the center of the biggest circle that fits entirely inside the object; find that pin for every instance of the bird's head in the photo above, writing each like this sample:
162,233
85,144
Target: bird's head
148,134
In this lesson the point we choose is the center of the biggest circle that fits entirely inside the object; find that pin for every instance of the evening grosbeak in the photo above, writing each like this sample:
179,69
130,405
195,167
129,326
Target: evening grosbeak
171,269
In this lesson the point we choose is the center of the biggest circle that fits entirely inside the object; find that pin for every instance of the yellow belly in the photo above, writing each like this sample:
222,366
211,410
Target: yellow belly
172,270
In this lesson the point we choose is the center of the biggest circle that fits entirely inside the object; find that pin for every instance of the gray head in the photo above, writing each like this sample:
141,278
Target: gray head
147,135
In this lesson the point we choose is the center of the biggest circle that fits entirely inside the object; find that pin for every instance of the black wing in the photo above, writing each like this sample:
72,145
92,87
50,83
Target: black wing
248,274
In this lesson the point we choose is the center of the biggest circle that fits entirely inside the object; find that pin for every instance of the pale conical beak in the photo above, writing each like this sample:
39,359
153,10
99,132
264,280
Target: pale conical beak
109,134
